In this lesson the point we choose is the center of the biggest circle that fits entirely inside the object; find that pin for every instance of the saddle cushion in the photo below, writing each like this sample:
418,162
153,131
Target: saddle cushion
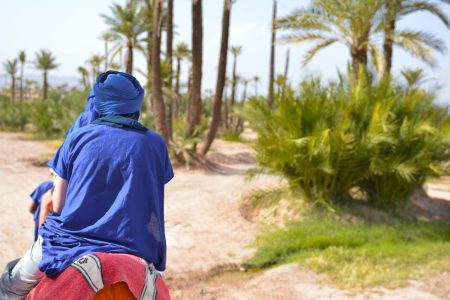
102,274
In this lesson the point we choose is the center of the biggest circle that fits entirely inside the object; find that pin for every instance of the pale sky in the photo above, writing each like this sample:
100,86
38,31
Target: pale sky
71,30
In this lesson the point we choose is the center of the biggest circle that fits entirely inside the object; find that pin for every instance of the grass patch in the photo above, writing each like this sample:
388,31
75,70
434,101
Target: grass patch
232,136
359,255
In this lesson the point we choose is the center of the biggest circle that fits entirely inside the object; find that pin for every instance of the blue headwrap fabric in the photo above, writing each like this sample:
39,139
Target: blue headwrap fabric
117,93
121,121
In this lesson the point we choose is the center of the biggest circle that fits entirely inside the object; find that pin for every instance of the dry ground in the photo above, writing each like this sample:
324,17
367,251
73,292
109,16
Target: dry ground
205,232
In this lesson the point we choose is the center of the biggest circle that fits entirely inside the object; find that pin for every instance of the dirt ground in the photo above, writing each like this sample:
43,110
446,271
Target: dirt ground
206,235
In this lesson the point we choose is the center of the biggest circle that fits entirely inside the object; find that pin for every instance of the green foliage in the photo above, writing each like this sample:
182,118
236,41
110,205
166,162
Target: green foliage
183,146
14,117
327,139
52,118
46,118
231,135
358,255
147,119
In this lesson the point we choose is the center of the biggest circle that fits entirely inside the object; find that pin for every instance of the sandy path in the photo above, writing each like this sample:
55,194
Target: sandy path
17,181
203,226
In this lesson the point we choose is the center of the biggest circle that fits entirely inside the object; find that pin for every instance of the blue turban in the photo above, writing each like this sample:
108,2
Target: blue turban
117,93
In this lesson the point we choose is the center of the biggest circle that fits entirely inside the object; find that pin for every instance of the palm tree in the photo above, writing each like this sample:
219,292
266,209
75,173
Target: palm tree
349,22
181,51
45,61
128,24
286,70
417,43
84,77
256,83
240,123
226,103
272,53
414,77
11,67
22,59
169,40
149,29
195,103
157,94
115,65
236,51
95,62
280,81
221,74
169,54
107,37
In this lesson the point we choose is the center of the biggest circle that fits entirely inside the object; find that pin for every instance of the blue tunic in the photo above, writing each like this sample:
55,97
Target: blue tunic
36,196
115,197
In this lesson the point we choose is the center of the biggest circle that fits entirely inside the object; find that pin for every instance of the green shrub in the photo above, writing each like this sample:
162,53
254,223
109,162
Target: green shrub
328,139
14,117
53,117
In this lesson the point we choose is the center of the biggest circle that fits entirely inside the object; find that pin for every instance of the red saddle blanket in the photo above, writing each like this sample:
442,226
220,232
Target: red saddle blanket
91,273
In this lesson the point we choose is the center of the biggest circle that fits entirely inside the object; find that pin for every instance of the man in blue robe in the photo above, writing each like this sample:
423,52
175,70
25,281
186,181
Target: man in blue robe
108,194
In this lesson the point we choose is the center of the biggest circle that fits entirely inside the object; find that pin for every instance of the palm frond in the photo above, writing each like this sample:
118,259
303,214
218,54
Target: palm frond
316,48
419,44
424,6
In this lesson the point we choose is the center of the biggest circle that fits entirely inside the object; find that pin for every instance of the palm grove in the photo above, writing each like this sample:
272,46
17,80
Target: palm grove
366,131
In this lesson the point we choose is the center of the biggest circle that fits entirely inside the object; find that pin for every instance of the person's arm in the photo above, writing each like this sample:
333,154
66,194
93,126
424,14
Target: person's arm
59,194
32,207
46,207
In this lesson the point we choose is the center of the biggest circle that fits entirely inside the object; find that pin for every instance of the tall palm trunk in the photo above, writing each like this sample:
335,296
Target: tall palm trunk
286,72
240,122
195,105
45,85
221,73
233,88
85,80
21,81
272,54
177,89
359,60
225,106
129,69
149,49
94,76
13,88
169,51
158,101
388,41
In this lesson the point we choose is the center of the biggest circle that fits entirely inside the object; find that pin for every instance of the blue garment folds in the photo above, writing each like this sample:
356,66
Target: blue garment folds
87,116
124,120
117,93
115,197
36,196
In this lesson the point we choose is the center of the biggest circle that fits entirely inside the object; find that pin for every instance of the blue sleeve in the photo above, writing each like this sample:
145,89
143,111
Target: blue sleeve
36,195
168,170
60,162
